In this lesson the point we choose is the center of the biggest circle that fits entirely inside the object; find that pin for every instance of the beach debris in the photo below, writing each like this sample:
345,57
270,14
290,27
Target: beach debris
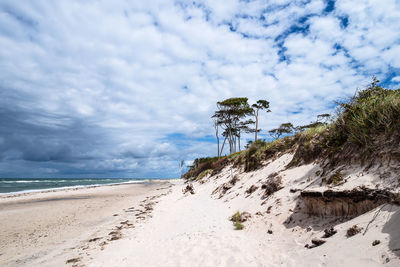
315,243
115,235
272,185
352,231
73,260
269,209
189,188
102,245
245,216
329,232
94,239
269,232
376,242
318,242
225,187
240,216
251,189
149,206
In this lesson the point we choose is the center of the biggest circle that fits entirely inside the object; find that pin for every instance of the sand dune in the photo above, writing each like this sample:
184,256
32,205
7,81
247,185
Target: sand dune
161,226
194,230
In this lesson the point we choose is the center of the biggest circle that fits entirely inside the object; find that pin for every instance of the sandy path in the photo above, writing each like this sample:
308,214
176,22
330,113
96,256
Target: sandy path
48,228
189,230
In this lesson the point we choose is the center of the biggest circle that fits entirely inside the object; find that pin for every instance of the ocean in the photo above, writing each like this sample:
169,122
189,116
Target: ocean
11,185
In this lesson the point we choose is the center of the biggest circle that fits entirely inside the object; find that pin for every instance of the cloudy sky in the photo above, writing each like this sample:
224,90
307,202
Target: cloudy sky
126,88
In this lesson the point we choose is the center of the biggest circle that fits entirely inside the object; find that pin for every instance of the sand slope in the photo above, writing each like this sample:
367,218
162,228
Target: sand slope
194,230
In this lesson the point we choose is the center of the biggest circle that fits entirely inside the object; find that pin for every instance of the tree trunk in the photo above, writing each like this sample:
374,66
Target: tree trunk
222,148
216,135
218,147
255,138
239,141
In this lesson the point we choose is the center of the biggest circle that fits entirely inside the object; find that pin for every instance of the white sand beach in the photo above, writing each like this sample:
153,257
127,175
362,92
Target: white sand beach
159,225
48,228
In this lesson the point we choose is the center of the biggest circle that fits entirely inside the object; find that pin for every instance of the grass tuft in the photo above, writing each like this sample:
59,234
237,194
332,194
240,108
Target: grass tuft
238,225
204,174
237,220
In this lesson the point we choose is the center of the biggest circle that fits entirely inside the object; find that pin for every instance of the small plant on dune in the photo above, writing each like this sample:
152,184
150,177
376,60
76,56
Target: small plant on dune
273,184
237,220
335,178
204,174
352,231
235,217
238,225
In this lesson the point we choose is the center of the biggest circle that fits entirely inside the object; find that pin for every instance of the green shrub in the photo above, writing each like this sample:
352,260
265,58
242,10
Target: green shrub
260,151
203,174
238,225
200,165
372,113
365,122
335,178
236,219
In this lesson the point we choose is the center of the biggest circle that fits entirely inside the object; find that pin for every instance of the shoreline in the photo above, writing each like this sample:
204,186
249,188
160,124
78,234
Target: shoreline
77,187
47,228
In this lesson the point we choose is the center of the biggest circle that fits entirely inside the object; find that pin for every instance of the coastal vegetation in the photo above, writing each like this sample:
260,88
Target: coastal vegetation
232,116
363,127
239,218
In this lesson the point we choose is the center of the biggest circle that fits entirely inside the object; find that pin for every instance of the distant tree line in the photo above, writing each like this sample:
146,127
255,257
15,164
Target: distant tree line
288,128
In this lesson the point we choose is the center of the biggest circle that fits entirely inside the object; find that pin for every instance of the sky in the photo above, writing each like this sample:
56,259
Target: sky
127,88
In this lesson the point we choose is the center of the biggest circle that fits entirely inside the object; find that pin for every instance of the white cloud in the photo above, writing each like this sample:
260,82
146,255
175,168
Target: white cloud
138,73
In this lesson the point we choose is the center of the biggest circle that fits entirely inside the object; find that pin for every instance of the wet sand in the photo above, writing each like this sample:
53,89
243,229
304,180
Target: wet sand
51,228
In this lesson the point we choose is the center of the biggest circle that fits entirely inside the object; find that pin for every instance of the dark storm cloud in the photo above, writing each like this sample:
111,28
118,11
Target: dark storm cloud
42,137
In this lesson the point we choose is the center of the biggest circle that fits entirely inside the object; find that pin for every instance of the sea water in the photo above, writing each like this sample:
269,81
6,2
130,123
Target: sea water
10,185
